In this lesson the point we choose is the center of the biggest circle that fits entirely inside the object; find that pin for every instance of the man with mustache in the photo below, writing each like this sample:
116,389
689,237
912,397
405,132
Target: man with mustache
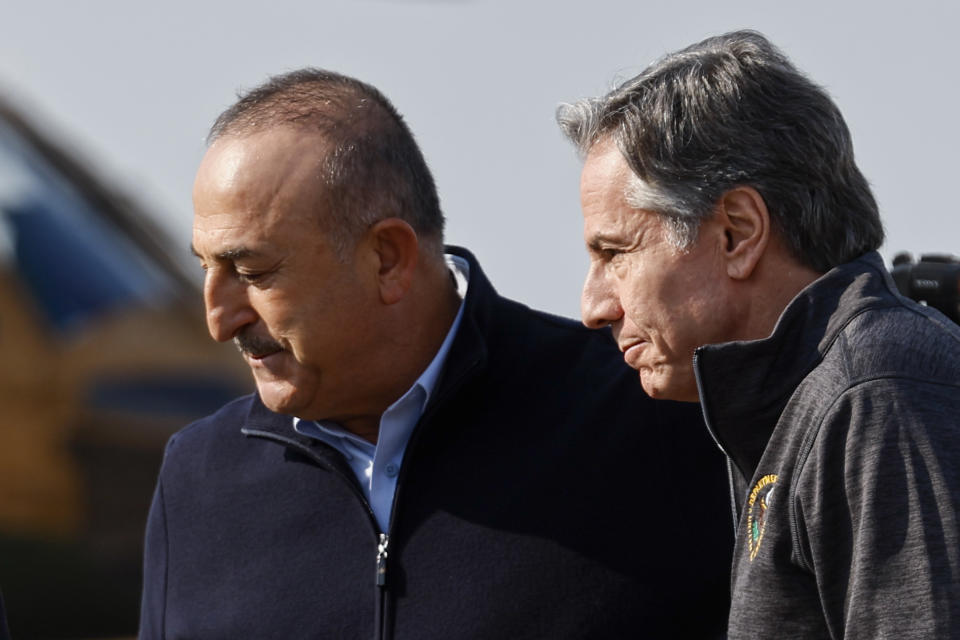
422,458
733,252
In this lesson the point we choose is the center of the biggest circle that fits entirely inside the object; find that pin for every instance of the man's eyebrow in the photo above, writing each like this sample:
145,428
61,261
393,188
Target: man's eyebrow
599,240
237,253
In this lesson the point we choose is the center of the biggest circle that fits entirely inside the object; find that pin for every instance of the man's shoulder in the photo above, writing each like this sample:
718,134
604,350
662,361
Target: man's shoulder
220,426
234,412
868,331
901,340
894,366
509,324
530,342
541,329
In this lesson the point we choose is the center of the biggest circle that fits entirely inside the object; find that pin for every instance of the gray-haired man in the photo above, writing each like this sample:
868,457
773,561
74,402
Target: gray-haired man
732,241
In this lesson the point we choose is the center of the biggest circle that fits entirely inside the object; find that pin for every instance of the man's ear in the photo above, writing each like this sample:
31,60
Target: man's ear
746,226
397,249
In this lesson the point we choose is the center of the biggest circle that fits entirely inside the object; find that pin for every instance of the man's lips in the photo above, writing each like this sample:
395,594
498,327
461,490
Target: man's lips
632,350
261,356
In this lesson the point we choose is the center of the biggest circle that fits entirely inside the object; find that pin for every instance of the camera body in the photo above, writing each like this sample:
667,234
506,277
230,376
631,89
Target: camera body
934,281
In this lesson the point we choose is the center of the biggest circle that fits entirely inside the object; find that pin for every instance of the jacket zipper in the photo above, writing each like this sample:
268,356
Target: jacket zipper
382,617
731,487
382,560
381,622
379,617
383,541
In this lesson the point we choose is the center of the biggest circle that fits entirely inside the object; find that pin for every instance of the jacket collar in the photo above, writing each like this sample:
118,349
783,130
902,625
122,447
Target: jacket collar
744,386
467,354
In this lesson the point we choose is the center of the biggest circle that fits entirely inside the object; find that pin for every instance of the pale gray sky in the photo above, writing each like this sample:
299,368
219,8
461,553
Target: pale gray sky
134,86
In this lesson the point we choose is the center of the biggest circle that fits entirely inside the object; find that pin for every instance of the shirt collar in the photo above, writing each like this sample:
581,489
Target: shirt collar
427,381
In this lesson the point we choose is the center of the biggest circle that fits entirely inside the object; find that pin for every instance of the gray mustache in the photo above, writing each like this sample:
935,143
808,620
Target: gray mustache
256,346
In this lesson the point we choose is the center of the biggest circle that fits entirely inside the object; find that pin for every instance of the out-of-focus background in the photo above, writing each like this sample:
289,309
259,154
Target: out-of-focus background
104,355
104,106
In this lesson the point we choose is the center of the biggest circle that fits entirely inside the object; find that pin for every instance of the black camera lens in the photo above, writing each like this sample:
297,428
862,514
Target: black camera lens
933,281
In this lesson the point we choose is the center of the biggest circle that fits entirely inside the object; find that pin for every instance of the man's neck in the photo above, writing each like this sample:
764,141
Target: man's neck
782,277
419,329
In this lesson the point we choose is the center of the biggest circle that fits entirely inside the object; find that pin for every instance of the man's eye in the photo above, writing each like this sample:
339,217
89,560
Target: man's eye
610,254
250,277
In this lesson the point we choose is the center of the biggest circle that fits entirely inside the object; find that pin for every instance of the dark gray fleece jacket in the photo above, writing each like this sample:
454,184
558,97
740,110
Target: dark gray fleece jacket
842,431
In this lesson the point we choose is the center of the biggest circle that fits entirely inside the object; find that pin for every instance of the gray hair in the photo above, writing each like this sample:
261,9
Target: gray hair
372,166
733,111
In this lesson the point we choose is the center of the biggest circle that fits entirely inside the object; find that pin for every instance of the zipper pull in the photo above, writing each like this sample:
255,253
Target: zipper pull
382,560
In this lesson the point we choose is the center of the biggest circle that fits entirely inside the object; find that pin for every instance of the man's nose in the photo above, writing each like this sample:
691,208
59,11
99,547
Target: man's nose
228,307
600,302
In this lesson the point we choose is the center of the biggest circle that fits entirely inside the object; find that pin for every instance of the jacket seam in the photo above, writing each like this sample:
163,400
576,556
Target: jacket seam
166,562
806,447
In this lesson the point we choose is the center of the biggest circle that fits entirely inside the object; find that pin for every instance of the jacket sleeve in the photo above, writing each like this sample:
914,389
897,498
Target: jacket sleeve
877,507
153,601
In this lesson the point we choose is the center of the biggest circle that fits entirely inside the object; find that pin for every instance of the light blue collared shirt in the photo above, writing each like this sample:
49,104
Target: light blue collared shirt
377,466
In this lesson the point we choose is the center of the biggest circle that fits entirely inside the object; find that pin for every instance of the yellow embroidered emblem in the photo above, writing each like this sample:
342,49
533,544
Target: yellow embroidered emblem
760,501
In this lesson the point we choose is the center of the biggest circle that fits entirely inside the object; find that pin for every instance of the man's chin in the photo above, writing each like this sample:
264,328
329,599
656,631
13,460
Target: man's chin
278,396
662,387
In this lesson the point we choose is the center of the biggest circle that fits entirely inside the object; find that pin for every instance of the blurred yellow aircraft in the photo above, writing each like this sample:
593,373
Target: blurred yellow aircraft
103,354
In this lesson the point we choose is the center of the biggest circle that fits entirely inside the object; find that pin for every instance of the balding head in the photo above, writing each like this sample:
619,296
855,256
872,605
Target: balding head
371,167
